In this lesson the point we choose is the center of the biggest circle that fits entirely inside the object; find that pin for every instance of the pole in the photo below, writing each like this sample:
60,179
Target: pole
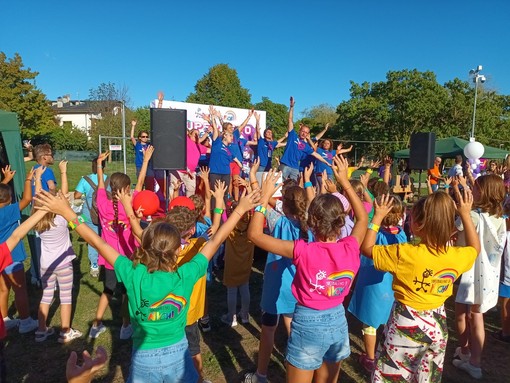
474,107
124,135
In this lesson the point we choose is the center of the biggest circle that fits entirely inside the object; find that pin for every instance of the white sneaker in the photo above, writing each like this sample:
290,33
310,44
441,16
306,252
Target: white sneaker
27,325
245,317
95,331
459,355
66,337
10,323
231,322
475,372
126,332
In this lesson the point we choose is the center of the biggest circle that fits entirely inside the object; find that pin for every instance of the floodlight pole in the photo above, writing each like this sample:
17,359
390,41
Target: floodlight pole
476,77
124,135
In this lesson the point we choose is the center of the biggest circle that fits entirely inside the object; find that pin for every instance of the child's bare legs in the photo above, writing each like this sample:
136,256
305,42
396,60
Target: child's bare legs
477,335
197,362
505,316
4,295
297,375
17,281
462,322
42,316
104,301
65,317
265,348
328,372
370,342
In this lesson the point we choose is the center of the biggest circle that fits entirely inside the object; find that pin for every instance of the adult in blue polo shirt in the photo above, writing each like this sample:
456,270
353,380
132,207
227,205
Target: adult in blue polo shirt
297,148
265,148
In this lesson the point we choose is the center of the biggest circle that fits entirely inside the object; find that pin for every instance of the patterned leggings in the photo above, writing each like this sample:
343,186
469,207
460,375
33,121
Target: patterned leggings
64,276
413,346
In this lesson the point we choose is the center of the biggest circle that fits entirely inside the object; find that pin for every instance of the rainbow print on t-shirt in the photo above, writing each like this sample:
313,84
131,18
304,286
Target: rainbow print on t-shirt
172,300
450,274
339,281
442,280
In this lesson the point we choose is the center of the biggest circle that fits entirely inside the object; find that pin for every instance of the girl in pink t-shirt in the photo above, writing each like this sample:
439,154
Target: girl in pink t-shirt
116,232
325,269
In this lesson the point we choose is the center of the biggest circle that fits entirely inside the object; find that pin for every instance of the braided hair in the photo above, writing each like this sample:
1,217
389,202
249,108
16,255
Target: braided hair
294,205
118,181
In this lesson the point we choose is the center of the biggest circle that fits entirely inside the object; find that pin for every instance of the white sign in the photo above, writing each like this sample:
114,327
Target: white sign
233,115
115,147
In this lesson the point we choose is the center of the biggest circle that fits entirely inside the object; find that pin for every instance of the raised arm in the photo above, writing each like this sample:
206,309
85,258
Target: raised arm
256,228
219,192
245,122
213,114
246,203
464,205
257,126
360,227
38,178
30,151
290,124
27,190
309,189
382,209
8,174
204,176
63,177
322,132
102,157
126,199
23,229
147,154
132,136
59,205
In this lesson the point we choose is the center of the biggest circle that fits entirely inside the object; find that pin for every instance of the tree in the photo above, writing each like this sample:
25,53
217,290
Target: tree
68,137
106,100
276,115
221,86
318,116
19,94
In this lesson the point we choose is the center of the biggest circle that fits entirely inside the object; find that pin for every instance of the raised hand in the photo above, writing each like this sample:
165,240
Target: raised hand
464,201
147,153
270,184
307,173
62,165
55,203
255,166
126,199
248,201
364,178
330,186
39,172
292,102
102,157
340,169
8,174
219,190
383,205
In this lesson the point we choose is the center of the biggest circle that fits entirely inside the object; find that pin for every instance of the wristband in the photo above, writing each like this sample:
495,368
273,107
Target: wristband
446,186
308,184
370,171
76,222
217,210
374,227
261,209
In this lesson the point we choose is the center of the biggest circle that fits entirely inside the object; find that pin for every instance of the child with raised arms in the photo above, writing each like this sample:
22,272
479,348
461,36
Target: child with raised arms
414,341
325,269
158,290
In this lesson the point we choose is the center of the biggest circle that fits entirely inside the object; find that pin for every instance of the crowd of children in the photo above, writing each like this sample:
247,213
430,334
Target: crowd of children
331,241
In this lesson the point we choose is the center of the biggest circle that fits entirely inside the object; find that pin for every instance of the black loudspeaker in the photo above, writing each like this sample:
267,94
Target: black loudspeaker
168,135
422,152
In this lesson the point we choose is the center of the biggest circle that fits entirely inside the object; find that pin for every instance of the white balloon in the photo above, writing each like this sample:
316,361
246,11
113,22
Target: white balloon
474,150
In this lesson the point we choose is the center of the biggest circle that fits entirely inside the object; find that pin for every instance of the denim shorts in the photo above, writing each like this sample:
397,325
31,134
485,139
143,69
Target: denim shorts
171,364
317,336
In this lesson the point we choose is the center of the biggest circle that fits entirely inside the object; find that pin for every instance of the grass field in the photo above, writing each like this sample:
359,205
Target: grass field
227,352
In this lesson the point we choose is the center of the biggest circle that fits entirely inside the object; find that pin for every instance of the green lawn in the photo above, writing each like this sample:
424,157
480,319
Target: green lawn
227,352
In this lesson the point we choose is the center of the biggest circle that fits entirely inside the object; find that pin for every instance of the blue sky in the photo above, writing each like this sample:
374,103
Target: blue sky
310,50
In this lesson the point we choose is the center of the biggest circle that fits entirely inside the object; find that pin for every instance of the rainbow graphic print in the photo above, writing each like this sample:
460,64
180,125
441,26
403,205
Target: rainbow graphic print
443,279
171,301
338,282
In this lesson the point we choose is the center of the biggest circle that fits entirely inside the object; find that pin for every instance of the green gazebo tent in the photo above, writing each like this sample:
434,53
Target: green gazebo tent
450,147
11,152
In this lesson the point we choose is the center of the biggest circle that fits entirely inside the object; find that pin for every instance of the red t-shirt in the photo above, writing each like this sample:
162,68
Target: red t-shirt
5,260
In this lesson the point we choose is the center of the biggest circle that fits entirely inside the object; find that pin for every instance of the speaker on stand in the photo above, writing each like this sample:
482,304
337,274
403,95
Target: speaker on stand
168,136
422,153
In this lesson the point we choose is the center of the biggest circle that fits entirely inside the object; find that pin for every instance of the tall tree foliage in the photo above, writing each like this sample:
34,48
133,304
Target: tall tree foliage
276,115
411,101
221,86
19,94
318,116
106,100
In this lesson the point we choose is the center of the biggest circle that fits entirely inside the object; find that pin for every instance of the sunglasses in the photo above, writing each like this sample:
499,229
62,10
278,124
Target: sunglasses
144,136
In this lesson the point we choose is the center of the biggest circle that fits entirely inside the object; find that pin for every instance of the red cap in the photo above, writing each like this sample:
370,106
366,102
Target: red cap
181,201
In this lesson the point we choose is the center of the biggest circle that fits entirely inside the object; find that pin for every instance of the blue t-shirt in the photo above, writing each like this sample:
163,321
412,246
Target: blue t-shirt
48,175
139,148
9,221
84,188
237,145
328,156
221,157
295,150
265,151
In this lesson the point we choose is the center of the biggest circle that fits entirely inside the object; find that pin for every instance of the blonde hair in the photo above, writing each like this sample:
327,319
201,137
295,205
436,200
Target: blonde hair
395,214
433,220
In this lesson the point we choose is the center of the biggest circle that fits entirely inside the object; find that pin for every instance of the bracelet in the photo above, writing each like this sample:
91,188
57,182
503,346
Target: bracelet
370,171
374,227
28,179
446,186
132,216
261,209
76,222
254,182
308,184
240,215
218,210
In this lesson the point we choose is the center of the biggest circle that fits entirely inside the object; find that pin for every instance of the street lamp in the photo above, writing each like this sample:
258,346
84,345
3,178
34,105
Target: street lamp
474,150
477,77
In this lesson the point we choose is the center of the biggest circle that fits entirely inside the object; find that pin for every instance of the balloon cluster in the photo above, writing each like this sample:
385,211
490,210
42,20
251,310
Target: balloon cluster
473,151
474,164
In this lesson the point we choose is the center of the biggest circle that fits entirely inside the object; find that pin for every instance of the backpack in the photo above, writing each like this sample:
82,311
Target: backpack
94,213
